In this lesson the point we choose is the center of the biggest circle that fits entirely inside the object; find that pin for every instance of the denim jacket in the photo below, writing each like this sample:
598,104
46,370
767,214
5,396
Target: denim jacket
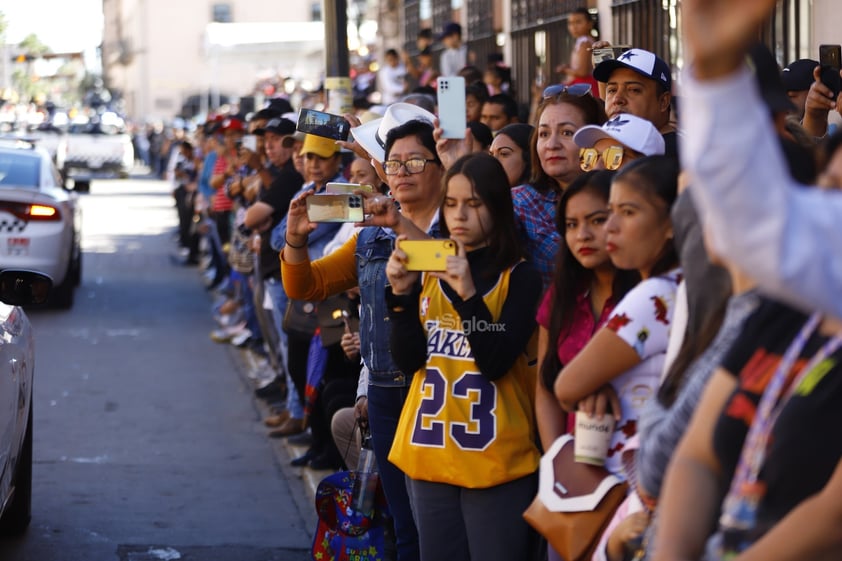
374,246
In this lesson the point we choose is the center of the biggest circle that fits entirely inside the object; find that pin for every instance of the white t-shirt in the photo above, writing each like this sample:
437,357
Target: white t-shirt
642,319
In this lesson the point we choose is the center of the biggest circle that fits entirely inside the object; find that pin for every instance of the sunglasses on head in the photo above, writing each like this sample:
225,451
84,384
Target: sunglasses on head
576,90
612,157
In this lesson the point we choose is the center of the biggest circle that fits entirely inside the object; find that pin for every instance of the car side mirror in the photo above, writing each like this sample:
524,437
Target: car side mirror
23,288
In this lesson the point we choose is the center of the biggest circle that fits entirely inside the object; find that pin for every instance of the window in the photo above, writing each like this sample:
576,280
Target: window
221,13
316,11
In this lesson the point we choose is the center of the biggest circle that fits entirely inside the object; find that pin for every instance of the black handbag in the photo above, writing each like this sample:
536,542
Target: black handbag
333,313
301,318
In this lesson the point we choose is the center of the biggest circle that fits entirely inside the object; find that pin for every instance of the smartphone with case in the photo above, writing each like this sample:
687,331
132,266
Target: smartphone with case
427,255
323,124
829,59
451,101
347,187
335,207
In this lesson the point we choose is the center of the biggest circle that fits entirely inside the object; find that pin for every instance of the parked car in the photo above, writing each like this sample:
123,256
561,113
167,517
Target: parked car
96,147
40,221
17,359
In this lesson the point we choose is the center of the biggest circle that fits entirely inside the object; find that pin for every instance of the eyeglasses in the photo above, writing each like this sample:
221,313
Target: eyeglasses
576,90
413,165
611,156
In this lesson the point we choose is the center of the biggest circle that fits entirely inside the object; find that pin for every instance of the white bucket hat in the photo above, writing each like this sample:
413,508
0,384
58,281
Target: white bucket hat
631,131
372,135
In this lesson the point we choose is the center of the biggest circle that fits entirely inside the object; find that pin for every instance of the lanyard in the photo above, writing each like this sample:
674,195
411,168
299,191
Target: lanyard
745,493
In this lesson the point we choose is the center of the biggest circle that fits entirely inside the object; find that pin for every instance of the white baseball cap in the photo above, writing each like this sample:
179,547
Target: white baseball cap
372,135
631,131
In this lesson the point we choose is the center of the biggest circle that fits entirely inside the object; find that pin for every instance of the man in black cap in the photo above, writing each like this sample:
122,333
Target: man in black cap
797,78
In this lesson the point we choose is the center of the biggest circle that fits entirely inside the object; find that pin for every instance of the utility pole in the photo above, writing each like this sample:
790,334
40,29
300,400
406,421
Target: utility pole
338,90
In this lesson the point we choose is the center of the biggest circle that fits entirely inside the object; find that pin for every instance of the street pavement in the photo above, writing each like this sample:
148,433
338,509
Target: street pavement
148,439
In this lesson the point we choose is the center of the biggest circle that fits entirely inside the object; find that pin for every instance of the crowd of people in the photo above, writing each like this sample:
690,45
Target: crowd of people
612,256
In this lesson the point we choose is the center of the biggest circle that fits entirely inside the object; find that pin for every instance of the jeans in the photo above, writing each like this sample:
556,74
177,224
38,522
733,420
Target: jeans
275,289
384,410
461,524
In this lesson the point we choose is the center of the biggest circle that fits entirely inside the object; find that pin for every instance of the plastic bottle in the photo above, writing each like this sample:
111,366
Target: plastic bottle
365,485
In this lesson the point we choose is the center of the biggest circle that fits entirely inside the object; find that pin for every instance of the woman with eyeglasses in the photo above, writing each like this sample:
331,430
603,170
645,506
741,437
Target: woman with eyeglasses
555,164
620,367
414,174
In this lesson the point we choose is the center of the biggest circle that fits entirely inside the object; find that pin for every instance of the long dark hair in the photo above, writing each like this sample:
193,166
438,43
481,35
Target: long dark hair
489,182
571,277
520,134
593,113
657,176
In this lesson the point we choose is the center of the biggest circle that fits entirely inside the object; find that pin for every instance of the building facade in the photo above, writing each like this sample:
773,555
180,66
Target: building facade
161,54
532,37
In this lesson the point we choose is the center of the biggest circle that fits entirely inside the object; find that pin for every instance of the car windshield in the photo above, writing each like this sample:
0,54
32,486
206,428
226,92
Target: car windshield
95,128
18,170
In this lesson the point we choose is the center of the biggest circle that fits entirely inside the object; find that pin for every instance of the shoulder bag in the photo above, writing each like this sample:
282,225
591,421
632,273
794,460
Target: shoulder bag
575,502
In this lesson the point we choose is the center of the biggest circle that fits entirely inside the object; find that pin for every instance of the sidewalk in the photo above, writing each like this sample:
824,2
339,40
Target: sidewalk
284,450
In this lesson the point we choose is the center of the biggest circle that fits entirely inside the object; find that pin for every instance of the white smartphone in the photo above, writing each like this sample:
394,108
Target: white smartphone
451,101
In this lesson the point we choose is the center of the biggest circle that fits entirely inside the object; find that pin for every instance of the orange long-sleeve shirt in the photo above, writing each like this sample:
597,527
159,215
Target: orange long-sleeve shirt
323,277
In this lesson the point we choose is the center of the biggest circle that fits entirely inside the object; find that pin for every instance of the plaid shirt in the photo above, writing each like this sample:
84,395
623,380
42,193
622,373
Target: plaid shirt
535,217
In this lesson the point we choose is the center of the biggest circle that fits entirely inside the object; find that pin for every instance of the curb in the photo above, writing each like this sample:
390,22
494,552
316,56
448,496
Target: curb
284,450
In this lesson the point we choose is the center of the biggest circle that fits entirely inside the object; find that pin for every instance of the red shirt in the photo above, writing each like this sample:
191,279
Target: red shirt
221,202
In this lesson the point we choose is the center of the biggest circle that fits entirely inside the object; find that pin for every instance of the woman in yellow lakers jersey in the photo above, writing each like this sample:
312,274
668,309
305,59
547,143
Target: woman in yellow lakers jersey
466,436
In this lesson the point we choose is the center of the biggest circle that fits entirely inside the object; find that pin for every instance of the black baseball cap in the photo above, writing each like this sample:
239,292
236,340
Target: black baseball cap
280,126
798,75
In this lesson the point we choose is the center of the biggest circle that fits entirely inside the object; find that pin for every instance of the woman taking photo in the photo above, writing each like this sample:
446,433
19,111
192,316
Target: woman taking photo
619,369
555,163
414,173
465,437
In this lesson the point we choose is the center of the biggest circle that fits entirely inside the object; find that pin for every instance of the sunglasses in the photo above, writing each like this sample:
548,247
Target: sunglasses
611,156
576,90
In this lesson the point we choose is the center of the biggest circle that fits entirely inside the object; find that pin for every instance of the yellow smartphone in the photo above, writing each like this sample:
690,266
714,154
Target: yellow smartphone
427,255
343,207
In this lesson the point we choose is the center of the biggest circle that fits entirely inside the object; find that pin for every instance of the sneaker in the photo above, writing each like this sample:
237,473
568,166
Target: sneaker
241,338
225,334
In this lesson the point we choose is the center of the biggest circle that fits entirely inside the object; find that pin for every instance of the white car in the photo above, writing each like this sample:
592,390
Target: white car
40,221
17,357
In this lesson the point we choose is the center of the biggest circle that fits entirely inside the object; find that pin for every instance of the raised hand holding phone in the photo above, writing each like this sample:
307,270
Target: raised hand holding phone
458,273
298,225
400,279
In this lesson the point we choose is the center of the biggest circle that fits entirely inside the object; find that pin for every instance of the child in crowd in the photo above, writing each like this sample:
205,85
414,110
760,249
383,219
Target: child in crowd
465,438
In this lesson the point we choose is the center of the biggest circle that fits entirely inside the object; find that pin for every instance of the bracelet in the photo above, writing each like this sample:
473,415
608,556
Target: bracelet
286,241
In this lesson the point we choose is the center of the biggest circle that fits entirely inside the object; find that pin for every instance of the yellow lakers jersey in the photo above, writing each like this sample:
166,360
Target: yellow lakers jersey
457,426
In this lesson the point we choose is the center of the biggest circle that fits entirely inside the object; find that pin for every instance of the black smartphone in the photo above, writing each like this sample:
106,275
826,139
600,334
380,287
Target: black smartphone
323,124
830,59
